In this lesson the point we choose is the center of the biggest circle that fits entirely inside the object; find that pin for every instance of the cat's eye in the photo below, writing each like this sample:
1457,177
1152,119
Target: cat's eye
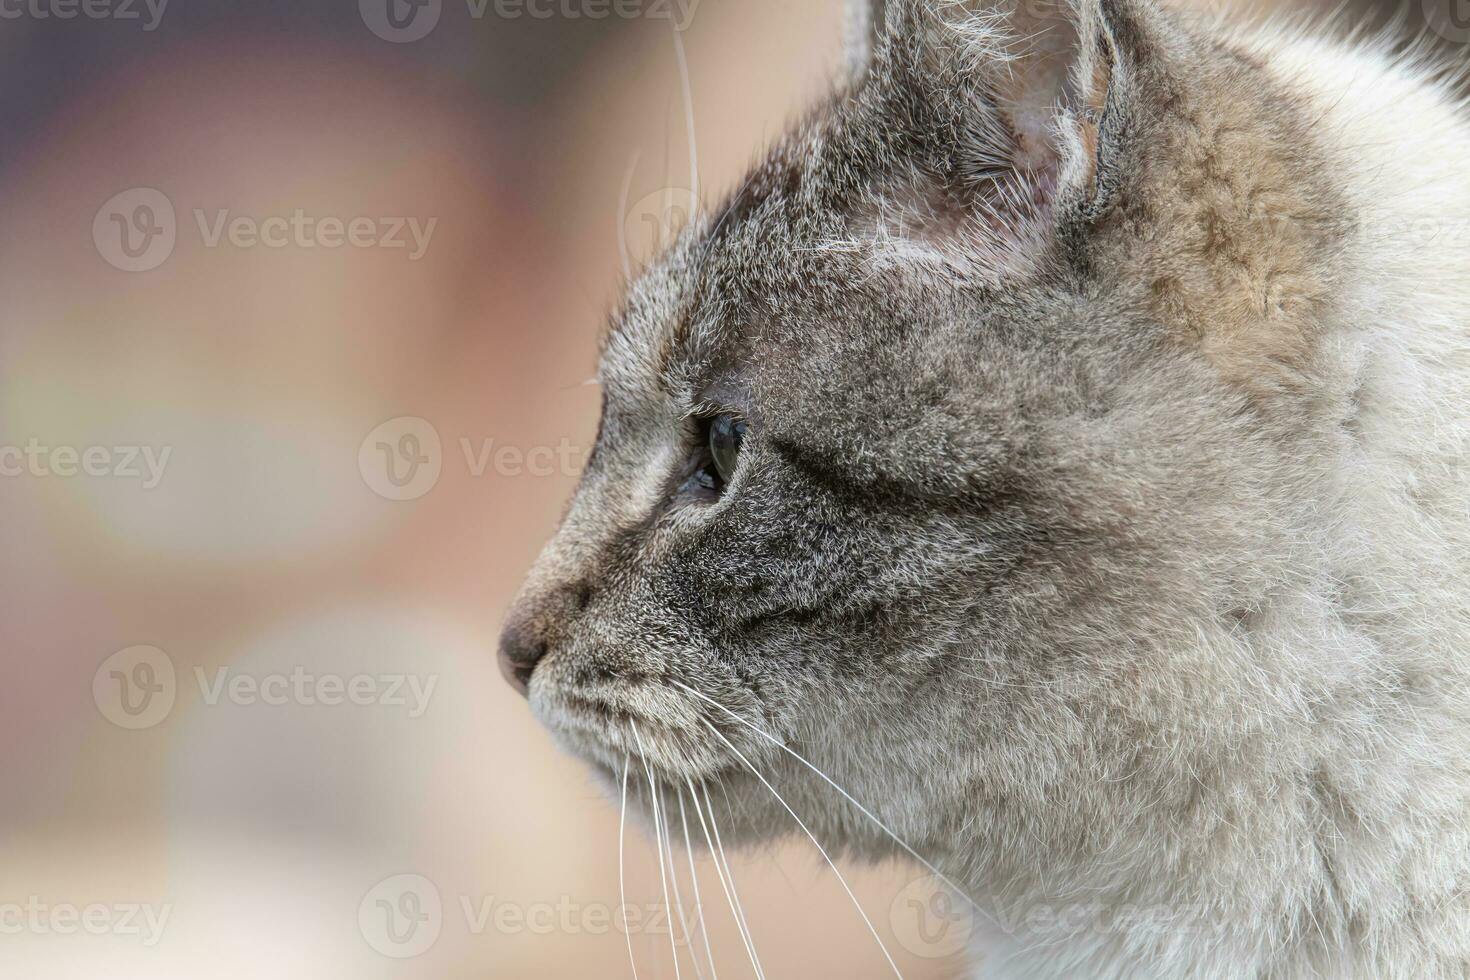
715,456
726,433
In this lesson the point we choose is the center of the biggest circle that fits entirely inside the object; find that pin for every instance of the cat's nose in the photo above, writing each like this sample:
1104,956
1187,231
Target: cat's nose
534,625
522,646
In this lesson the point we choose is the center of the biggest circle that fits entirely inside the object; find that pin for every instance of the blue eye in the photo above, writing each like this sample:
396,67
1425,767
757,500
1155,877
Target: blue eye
726,433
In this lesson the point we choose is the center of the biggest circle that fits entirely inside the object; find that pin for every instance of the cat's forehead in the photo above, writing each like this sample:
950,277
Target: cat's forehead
774,263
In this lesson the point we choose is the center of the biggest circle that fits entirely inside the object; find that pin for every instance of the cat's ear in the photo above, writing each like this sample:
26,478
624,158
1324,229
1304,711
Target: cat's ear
1033,100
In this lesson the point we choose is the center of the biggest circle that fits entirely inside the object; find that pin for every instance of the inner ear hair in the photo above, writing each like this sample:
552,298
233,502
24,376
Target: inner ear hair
1047,66
1024,99
1057,82
1049,69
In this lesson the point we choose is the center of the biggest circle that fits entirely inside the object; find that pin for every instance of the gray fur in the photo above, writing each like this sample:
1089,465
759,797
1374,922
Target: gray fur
1056,539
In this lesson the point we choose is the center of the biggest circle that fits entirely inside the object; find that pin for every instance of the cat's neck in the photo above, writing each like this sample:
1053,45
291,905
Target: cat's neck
1347,856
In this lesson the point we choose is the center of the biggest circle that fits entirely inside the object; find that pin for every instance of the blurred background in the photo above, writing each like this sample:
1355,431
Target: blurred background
298,303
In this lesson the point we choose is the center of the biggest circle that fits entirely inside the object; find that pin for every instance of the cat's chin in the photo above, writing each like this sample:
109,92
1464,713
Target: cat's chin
667,740
650,736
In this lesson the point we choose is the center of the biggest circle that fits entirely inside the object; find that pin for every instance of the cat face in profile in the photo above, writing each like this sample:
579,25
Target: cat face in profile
918,450
966,448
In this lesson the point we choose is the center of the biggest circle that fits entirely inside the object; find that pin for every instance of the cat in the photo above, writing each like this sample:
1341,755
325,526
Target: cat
1060,442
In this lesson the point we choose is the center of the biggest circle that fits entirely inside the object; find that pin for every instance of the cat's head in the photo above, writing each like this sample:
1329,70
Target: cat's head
956,450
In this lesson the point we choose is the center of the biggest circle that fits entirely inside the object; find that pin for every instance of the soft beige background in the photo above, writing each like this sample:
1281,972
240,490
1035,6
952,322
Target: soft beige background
264,549
540,148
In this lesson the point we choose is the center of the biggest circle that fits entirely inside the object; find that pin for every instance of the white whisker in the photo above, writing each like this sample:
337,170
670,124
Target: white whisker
816,843
845,794
622,878
678,898
694,880
730,874
717,851
688,92
658,837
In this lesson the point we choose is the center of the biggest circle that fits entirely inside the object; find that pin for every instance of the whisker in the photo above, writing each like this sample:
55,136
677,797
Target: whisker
845,794
820,849
729,873
717,851
694,880
658,837
678,898
622,878
688,118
